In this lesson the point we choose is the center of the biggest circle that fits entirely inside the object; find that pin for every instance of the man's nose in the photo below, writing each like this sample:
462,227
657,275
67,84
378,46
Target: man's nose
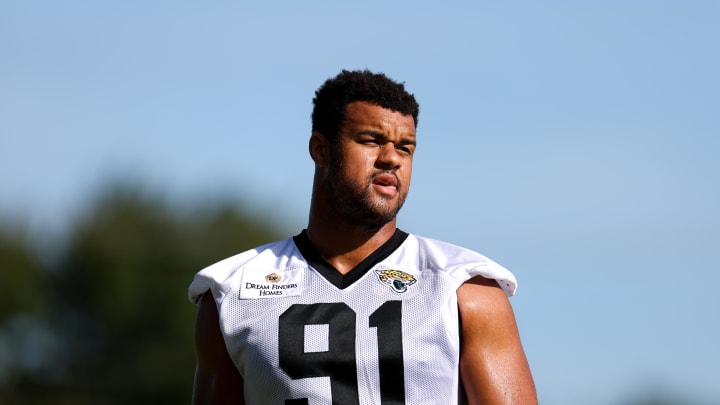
389,157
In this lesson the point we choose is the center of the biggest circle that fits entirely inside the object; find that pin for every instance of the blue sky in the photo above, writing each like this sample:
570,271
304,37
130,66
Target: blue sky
576,143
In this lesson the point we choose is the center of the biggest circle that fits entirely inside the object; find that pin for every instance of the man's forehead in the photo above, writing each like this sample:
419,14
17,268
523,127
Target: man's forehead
366,113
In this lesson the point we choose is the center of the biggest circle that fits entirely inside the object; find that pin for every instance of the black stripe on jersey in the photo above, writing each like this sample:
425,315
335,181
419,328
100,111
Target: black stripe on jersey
332,275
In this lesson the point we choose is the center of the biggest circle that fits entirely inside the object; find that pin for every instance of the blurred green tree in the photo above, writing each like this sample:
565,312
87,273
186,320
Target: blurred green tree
117,309
21,276
22,306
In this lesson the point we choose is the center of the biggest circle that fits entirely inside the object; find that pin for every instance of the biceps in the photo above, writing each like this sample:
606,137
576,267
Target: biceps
499,376
493,366
217,386
217,380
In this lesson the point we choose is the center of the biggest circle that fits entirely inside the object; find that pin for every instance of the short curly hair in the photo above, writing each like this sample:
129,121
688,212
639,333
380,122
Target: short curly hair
332,98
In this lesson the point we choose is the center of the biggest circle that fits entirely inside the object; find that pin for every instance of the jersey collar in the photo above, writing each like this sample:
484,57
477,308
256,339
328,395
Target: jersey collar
331,274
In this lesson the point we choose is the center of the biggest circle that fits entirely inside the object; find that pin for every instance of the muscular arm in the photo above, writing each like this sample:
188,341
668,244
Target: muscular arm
493,366
217,380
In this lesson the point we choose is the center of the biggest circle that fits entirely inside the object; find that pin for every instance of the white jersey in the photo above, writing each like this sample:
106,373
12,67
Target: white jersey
387,332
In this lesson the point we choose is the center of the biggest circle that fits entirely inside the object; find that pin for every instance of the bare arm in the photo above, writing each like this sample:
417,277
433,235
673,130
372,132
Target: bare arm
493,366
217,380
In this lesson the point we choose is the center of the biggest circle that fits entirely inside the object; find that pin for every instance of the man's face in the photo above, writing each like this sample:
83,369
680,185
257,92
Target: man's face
370,163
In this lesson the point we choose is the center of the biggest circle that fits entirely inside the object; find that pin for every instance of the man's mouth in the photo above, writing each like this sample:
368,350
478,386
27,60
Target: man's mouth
385,183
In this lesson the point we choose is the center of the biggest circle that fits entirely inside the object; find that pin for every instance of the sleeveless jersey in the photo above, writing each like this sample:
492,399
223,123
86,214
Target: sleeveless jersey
387,332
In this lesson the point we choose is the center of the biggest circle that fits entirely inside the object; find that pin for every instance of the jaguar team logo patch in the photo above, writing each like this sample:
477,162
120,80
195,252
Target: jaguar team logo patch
396,279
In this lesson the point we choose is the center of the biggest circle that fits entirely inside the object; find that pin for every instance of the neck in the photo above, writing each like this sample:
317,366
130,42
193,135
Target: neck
344,244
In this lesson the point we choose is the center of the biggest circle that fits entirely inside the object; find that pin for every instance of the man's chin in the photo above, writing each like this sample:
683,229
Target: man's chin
379,218
372,218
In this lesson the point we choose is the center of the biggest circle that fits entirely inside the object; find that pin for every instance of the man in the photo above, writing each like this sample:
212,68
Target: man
353,310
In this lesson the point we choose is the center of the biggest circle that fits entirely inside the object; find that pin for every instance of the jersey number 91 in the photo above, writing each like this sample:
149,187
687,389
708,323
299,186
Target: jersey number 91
339,361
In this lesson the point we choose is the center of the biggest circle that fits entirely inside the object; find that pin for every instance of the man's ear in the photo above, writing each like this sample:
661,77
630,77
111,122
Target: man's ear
319,149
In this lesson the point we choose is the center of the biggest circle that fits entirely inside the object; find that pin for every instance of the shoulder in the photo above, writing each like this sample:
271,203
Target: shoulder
481,295
459,262
219,276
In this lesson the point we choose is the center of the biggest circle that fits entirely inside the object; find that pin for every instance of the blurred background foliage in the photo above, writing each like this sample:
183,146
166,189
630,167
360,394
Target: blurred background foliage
101,316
